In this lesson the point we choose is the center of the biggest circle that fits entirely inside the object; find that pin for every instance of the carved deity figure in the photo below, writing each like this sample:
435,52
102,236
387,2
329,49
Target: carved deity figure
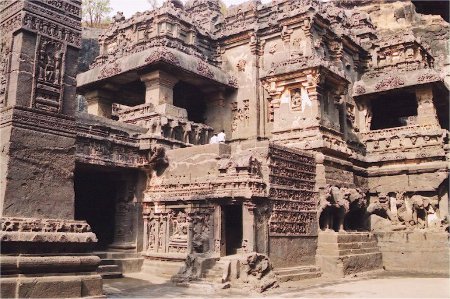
296,99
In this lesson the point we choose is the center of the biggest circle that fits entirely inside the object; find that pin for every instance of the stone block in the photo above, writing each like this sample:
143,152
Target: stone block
8,287
49,287
91,286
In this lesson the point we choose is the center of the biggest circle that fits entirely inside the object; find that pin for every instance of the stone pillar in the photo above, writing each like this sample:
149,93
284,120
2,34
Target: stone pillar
37,128
99,103
248,227
159,88
426,111
217,230
124,226
145,243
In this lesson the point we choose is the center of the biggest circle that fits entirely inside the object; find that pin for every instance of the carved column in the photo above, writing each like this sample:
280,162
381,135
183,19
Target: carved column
217,230
146,232
99,103
159,88
315,93
248,227
426,111
41,40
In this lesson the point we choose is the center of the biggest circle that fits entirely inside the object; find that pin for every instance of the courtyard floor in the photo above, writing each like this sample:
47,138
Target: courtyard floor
380,284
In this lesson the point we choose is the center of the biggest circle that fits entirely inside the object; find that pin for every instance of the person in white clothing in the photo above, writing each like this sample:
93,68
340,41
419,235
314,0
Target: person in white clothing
214,139
221,136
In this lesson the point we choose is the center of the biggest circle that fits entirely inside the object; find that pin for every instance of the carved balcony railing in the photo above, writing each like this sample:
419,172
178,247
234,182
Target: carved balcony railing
413,141
172,126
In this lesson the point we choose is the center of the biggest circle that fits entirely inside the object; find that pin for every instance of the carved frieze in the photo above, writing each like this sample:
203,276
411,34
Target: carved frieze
52,29
291,191
109,71
45,230
204,70
162,55
390,82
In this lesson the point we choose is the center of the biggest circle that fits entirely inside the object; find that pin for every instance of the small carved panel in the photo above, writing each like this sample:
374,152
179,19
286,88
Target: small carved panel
49,74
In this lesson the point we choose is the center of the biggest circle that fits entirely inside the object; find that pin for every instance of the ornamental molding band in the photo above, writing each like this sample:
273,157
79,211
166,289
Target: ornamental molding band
45,231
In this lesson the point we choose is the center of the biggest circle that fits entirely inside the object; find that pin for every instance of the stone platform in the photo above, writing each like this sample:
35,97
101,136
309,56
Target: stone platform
50,276
415,251
341,254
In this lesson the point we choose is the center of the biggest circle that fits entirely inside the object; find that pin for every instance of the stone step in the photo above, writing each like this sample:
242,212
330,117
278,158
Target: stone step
162,268
109,271
126,265
299,269
298,276
358,245
349,245
297,273
344,252
333,237
117,255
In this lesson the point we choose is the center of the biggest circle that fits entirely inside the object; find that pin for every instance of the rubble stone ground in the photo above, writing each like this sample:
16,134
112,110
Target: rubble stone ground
378,284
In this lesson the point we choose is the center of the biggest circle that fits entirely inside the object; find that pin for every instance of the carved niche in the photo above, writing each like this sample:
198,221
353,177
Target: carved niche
296,99
178,231
48,74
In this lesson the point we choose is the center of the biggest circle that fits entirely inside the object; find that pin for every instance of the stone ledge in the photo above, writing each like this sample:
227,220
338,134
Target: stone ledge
45,264
68,286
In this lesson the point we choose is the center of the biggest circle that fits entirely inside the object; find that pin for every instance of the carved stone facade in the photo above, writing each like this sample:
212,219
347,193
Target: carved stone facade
322,112
334,124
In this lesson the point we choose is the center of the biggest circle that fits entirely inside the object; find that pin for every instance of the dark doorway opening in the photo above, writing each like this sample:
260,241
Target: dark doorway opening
192,99
95,201
233,228
394,110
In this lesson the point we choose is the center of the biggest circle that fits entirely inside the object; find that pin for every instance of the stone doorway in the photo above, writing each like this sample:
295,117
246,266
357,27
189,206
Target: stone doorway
95,202
233,228
106,199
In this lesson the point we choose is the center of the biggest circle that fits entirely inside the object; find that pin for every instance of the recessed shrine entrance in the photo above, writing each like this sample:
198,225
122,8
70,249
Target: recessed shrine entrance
105,199
233,228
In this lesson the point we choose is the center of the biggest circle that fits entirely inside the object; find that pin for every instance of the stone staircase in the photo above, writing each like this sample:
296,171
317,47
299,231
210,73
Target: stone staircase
115,263
345,253
297,273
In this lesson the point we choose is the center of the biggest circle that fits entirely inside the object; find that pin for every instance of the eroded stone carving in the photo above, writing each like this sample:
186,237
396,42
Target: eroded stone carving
49,71
336,203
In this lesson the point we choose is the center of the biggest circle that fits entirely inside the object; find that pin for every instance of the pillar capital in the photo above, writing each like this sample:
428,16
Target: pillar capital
99,103
159,87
